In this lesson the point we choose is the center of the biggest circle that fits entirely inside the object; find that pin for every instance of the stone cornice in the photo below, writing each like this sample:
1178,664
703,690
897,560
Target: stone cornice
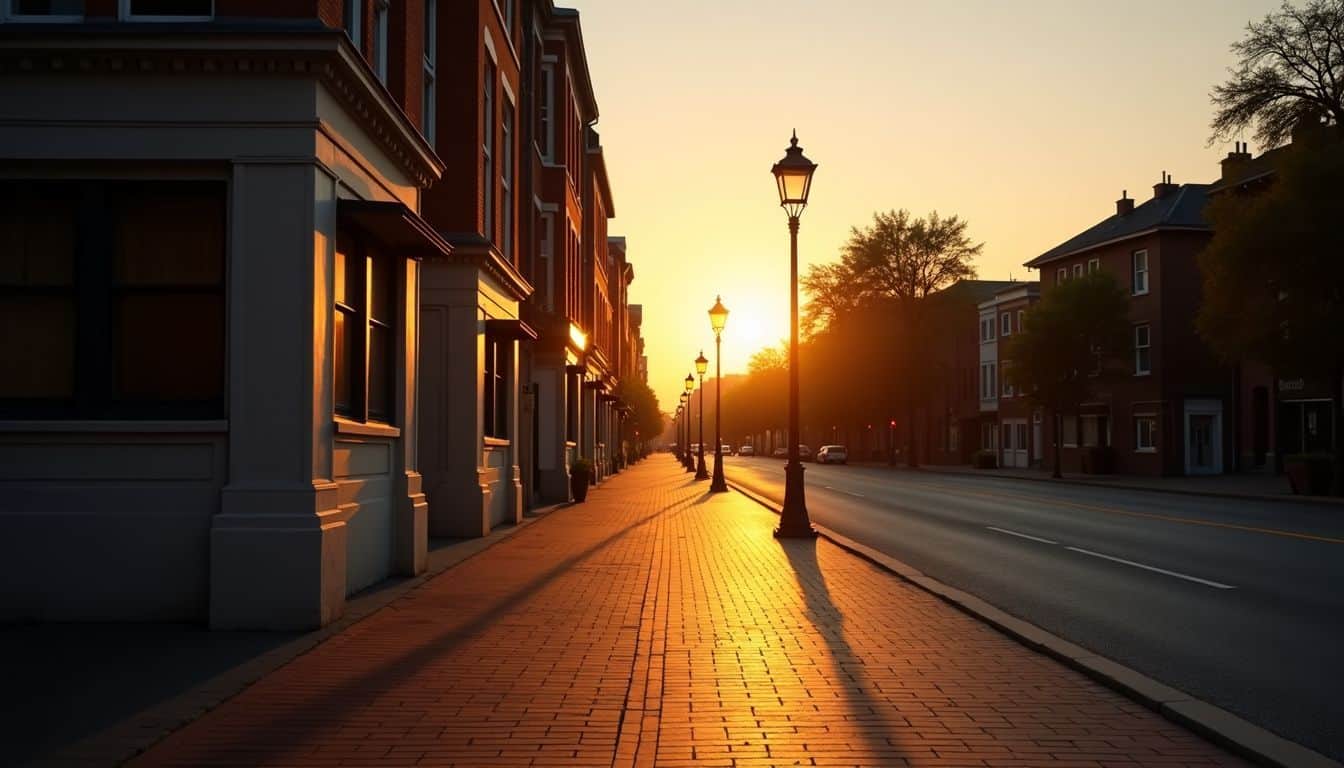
213,49
471,248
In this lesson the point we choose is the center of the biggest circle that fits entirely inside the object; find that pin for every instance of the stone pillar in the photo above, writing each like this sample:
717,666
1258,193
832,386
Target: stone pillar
410,516
278,544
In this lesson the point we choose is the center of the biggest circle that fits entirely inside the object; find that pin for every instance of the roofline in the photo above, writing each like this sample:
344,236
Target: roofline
1038,261
604,183
1027,290
569,19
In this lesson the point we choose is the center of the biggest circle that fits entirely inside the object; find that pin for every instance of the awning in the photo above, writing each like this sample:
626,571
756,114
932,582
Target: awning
510,329
397,228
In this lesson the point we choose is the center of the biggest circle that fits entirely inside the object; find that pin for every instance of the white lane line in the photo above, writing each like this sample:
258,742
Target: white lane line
1196,579
1021,535
842,490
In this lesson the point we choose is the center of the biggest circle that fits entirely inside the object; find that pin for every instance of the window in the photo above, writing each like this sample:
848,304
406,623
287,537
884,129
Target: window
487,152
495,386
363,330
1006,434
986,329
112,299
429,105
1077,270
1069,436
1145,434
546,113
1061,275
1007,390
1006,324
353,16
41,10
1093,265
379,57
988,381
163,10
545,276
1143,350
1021,315
1139,284
1096,431
506,181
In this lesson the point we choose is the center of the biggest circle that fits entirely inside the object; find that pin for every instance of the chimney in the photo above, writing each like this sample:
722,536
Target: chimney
1164,187
1235,161
1125,205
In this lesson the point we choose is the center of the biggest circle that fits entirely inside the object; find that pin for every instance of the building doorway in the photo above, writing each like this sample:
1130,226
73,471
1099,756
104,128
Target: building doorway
1036,438
1014,434
1203,437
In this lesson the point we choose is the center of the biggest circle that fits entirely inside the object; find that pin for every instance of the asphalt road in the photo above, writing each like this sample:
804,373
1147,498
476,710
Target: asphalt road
1240,603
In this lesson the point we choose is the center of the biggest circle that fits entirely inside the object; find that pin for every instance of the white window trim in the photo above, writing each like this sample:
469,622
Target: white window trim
547,138
1005,324
1061,275
429,76
1077,270
1093,265
380,24
124,14
7,13
1145,417
1134,272
546,250
1021,313
1149,346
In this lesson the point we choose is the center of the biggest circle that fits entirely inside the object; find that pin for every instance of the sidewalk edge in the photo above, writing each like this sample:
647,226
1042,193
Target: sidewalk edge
1273,498
1213,723
122,741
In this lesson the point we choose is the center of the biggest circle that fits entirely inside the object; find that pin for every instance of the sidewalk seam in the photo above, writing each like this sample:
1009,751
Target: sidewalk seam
1208,720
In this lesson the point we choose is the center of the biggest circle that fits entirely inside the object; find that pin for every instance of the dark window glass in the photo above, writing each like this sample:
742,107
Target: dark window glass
48,7
172,7
497,353
112,299
363,330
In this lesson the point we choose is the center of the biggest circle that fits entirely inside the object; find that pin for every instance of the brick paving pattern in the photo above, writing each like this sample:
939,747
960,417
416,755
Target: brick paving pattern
658,625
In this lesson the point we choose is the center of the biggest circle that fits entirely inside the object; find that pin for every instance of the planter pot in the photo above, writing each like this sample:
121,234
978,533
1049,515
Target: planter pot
578,486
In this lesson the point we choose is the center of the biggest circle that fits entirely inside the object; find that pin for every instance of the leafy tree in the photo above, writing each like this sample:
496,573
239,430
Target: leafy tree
648,422
1274,277
1290,63
892,267
1077,330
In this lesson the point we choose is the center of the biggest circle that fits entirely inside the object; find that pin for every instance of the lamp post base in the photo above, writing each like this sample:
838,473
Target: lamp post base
701,471
793,520
689,462
719,484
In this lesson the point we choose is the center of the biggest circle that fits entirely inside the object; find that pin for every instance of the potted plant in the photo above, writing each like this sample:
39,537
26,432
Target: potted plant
1309,473
580,473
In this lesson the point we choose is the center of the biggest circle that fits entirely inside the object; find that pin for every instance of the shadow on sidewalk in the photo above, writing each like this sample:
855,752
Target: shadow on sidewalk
263,737
867,718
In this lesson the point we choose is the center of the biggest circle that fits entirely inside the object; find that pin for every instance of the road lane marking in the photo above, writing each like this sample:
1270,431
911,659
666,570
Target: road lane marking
1155,569
1021,535
842,490
1112,510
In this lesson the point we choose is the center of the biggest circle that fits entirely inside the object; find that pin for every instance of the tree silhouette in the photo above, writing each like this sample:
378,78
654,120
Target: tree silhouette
1290,63
1067,341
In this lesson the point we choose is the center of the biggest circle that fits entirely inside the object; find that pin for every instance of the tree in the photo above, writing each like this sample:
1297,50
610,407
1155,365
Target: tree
647,421
1273,276
893,266
1069,339
1290,63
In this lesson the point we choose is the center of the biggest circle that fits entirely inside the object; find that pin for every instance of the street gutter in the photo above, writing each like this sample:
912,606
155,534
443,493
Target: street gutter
1212,722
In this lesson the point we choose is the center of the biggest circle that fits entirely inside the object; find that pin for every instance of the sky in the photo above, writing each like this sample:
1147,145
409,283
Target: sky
1027,119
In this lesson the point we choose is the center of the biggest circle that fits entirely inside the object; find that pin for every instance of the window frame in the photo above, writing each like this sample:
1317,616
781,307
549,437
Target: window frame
1093,265
352,19
429,73
1077,270
7,13
1061,275
1139,420
1005,324
1135,272
495,373
95,292
546,112
366,249
1139,349
124,13
381,13
488,149
507,163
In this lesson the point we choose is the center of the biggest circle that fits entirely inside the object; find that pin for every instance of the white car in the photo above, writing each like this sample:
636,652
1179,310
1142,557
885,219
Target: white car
833,454
746,450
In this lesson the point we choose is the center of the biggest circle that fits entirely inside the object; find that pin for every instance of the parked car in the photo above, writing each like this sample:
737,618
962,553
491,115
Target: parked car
781,453
833,454
804,453
727,449
746,450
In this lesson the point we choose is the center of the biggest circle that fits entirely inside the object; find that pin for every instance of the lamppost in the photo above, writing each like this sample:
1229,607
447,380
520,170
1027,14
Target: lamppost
793,176
688,459
718,318
701,365
690,456
677,419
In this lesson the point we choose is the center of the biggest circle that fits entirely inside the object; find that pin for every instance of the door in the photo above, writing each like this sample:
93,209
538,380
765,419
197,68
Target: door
1203,437
1014,435
1036,438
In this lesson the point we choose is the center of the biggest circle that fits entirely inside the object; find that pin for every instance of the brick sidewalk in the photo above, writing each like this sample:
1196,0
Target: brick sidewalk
656,624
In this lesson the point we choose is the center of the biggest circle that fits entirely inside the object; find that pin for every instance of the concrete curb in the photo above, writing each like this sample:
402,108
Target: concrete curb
119,743
1213,723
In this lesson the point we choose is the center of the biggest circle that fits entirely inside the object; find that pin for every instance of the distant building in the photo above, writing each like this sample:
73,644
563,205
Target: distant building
1010,425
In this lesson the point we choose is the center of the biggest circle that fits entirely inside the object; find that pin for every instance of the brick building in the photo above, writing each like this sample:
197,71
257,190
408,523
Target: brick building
1169,413
213,253
1010,425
